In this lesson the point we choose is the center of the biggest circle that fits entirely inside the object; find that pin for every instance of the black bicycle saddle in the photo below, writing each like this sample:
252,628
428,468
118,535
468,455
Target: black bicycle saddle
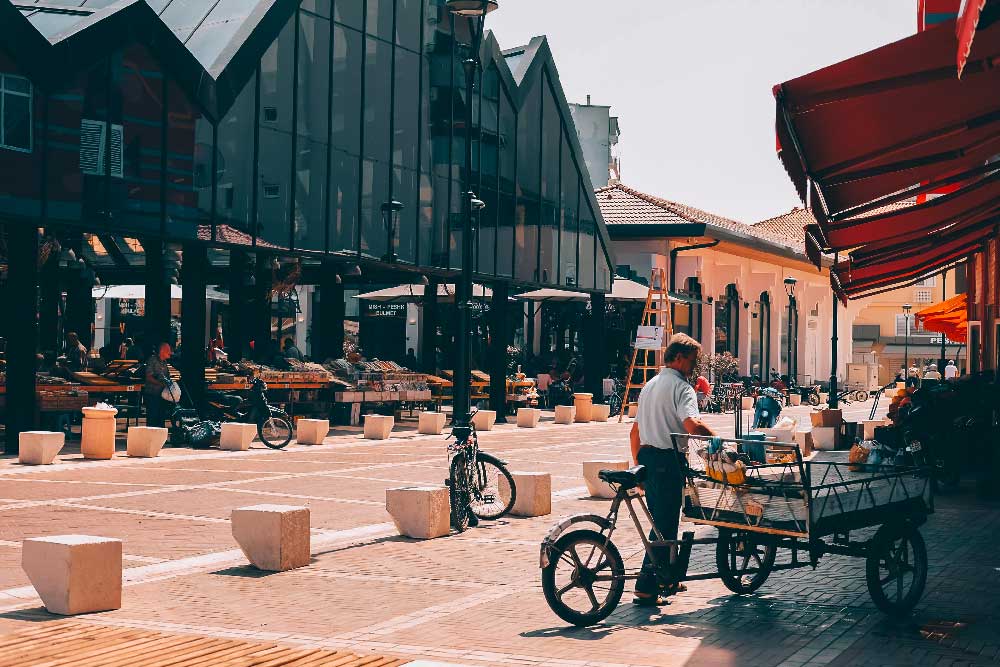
626,479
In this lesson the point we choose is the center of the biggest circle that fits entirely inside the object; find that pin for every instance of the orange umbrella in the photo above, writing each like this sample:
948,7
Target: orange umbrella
949,317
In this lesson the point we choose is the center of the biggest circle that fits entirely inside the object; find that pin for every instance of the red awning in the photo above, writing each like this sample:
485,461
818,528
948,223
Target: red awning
966,30
889,119
861,138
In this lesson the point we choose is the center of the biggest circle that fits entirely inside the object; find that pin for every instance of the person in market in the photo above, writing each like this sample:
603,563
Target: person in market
410,360
667,404
76,353
913,376
931,375
703,390
157,376
291,351
901,375
951,370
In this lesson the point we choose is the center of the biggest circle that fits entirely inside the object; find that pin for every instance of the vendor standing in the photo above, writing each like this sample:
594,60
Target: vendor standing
667,404
157,375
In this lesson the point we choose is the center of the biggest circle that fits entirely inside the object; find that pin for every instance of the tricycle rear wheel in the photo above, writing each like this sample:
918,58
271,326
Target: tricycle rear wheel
896,569
585,577
745,559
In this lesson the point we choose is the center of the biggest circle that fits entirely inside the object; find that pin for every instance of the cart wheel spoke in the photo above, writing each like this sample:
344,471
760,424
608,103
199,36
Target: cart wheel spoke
593,598
570,586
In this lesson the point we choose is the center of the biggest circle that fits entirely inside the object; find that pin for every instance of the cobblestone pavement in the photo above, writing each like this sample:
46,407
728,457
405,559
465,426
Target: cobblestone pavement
474,598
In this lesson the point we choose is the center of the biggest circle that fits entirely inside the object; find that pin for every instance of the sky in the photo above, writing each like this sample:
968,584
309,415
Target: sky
691,80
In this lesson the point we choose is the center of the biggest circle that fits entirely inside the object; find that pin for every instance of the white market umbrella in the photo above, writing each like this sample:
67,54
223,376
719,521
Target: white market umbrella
621,290
413,293
139,292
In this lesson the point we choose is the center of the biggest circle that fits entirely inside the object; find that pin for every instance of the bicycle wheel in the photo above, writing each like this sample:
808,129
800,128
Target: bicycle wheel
813,399
744,560
861,396
896,568
585,578
493,490
275,432
458,492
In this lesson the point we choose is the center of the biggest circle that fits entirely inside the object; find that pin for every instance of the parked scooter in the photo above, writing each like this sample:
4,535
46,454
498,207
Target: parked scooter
274,426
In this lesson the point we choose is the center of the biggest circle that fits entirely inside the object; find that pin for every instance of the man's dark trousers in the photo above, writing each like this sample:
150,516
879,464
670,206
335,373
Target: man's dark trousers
664,487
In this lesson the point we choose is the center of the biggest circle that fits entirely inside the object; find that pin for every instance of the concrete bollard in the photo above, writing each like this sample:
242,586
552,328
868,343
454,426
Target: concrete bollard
534,493
431,423
484,420
565,414
600,412
421,512
633,410
273,537
870,426
528,417
746,403
312,431
795,399
825,437
236,437
145,441
378,427
583,404
596,487
97,436
75,574
39,448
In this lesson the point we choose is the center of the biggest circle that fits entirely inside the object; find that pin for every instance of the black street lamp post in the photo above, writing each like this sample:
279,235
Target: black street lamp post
476,10
906,339
390,214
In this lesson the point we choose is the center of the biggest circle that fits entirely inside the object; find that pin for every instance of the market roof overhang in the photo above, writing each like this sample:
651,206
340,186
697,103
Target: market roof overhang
882,128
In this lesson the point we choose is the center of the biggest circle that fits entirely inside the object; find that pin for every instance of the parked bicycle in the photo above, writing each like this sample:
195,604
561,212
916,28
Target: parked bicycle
474,481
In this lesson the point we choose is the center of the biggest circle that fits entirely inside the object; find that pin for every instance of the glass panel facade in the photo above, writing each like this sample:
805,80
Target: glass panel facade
354,104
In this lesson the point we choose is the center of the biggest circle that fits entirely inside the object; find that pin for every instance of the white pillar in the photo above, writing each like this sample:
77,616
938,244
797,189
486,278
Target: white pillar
413,314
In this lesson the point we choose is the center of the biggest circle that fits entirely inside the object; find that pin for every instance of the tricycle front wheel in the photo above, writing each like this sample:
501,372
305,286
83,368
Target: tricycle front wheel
585,577
745,559
896,569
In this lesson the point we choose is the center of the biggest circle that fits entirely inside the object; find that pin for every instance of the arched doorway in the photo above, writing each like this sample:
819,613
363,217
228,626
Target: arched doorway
790,339
760,338
727,322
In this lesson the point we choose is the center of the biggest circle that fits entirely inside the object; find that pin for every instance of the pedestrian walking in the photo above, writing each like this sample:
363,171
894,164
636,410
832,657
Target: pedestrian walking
667,404
157,376
951,370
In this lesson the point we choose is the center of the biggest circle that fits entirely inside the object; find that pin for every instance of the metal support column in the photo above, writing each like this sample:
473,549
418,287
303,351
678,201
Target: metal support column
834,403
193,271
260,324
428,329
330,342
20,301
499,332
595,357
157,317
237,334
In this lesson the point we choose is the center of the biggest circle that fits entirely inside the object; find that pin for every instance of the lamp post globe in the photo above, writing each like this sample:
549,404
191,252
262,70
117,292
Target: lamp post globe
472,8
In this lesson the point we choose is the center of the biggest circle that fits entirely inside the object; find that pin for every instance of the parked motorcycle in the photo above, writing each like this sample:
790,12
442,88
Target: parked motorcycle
274,426
768,408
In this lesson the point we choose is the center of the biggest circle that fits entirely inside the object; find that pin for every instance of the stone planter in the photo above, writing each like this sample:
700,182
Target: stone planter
565,414
74,574
596,487
795,399
145,441
421,512
97,439
633,409
583,403
236,437
484,420
273,537
312,431
39,448
431,423
528,417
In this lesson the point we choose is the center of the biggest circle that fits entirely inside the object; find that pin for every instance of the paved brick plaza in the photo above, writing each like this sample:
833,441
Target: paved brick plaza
470,599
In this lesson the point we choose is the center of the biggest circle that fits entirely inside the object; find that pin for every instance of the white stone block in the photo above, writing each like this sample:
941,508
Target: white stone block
236,437
824,397
145,441
422,512
795,399
870,426
273,537
75,574
97,435
825,437
804,439
528,417
565,414
484,420
431,423
782,435
378,427
600,412
583,405
597,487
39,448
312,431
534,493
747,402
633,409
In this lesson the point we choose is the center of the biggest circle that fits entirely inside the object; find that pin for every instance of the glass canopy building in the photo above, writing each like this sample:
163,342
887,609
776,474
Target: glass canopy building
289,126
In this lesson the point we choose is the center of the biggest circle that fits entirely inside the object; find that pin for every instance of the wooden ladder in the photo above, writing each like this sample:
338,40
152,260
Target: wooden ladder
656,313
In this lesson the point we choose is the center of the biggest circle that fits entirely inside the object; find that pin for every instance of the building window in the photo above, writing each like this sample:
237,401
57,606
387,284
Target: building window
927,282
93,146
15,113
915,326
923,296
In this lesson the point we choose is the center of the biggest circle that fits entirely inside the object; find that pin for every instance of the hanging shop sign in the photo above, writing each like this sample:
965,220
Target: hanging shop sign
649,338
132,307
383,310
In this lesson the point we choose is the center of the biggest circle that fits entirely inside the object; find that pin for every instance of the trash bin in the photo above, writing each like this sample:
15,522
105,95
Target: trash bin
97,438
584,404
